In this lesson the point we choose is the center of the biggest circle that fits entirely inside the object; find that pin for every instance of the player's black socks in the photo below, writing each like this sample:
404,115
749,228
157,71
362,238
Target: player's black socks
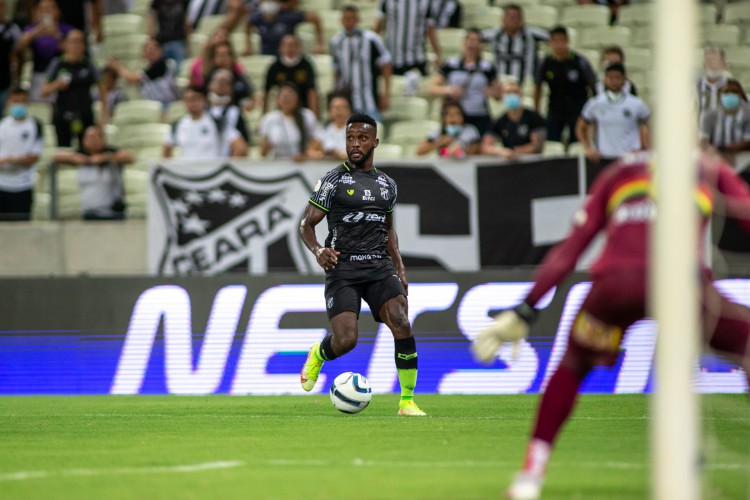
406,353
326,349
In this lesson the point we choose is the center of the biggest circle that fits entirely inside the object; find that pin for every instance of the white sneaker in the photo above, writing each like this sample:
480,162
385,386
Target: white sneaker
525,487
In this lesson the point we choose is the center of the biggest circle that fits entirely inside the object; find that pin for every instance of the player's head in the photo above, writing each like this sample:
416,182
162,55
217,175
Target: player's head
714,62
349,17
361,139
93,139
512,18
614,77
612,54
18,103
732,95
558,41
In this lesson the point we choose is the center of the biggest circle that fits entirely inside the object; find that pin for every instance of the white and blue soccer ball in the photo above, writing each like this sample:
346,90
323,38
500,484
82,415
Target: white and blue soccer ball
350,392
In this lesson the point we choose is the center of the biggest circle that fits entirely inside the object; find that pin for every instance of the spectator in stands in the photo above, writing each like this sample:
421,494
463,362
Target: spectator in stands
202,64
109,94
45,38
84,15
515,45
276,18
168,24
199,136
406,24
71,76
292,65
727,128
469,80
333,136
222,57
520,131
571,82
221,104
21,145
613,123
99,175
359,60
447,13
289,131
10,35
714,77
158,81
234,12
455,138
612,54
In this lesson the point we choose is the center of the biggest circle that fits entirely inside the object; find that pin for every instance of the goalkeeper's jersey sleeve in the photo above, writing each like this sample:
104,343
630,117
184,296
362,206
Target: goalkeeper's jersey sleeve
356,204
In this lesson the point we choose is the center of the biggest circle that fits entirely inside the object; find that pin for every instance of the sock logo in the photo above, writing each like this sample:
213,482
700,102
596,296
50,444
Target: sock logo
406,357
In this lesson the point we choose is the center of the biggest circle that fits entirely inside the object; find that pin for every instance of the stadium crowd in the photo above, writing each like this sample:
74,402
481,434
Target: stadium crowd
275,79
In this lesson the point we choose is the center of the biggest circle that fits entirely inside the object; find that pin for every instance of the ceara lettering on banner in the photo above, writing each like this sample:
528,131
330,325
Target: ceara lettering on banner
168,308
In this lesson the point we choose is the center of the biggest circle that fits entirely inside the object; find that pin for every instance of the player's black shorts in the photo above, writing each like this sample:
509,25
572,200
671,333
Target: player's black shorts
375,281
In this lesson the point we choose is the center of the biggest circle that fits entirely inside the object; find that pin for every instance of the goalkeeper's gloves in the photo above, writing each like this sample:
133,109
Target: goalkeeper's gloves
511,325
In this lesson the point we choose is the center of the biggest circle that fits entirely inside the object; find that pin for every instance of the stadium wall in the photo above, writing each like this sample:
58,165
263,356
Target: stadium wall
247,335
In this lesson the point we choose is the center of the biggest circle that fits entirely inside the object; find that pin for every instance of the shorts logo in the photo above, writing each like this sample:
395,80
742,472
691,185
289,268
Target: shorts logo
350,192
329,303
384,193
368,196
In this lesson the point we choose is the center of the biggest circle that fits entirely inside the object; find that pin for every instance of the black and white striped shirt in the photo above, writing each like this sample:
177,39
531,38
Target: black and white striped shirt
708,94
406,23
357,60
515,55
722,129
198,9
447,13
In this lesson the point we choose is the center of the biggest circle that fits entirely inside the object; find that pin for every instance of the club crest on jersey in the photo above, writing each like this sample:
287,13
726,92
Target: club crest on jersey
350,192
346,179
368,196
384,193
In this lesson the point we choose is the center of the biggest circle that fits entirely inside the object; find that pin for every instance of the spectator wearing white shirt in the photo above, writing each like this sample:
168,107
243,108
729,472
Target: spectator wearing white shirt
613,123
21,145
290,131
198,135
333,136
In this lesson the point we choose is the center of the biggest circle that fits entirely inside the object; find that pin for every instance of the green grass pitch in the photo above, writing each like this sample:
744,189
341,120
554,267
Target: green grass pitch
302,448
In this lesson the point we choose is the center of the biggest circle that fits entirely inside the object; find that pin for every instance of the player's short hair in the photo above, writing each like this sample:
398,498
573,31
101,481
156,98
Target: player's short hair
350,7
452,103
559,30
619,67
513,6
362,118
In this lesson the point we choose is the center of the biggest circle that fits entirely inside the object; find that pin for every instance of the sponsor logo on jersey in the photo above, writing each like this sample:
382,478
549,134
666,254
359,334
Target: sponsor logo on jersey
350,192
346,179
643,211
326,190
368,196
382,181
358,216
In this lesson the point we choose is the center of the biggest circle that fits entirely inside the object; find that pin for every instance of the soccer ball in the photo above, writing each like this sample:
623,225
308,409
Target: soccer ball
350,392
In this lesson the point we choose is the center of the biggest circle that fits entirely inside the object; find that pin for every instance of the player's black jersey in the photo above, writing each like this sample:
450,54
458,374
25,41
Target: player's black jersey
356,204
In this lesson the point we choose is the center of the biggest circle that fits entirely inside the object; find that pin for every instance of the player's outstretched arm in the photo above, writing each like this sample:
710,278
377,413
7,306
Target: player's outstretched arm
394,252
327,257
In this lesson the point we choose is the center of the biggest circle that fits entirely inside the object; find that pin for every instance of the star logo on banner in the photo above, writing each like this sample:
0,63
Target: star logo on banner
217,195
237,200
180,207
193,198
194,224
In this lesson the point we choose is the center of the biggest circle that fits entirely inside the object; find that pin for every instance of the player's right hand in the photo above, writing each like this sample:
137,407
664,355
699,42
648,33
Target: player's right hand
327,258
509,326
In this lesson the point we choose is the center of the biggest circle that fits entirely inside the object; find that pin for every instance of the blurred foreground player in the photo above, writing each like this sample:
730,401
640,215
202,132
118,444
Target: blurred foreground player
620,204
361,259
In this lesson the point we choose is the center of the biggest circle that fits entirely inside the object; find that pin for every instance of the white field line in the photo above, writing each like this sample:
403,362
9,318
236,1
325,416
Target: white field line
114,471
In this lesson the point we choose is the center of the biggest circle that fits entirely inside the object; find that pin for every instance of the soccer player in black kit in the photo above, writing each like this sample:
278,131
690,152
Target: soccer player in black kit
361,259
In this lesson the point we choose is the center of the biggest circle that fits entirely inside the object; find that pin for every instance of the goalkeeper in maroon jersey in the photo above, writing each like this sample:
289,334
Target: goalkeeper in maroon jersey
620,205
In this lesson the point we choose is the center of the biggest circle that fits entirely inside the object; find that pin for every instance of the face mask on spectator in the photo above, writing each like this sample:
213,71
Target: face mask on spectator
714,73
730,101
19,111
269,8
290,61
512,101
453,130
219,100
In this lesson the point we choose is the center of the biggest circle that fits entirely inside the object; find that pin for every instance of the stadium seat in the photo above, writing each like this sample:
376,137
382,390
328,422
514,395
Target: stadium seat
737,58
141,7
256,67
41,111
598,36
135,181
175,111
485,17
724,35
208,24
706,14
125,46
637,59
140,111
585,15
238,39
544,16
122,24
576,149
592,56
50,136
142,135
641,37
637,14
406,108
197,42
737,13
319,5
411,131
553,148
452,41
110,133
389,152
